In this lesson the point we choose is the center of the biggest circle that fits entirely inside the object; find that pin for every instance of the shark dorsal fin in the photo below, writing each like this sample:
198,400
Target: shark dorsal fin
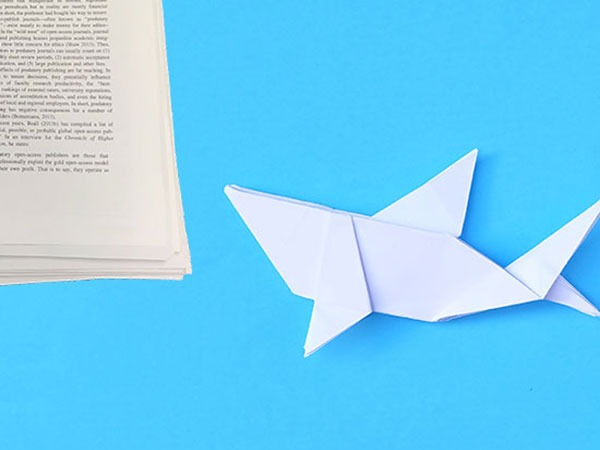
440,204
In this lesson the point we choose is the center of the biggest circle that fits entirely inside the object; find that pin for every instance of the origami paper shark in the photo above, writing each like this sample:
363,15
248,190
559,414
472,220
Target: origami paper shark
407,260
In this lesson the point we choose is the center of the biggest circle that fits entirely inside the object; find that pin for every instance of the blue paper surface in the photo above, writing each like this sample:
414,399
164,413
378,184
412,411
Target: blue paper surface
350,104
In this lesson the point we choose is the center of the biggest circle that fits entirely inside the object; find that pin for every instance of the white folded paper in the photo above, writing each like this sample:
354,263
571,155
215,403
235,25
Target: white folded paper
407,260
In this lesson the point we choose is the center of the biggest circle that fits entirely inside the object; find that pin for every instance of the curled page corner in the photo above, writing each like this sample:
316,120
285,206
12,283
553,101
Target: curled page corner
407,260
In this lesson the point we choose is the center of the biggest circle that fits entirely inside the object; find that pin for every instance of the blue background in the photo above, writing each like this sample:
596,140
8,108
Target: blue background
350,104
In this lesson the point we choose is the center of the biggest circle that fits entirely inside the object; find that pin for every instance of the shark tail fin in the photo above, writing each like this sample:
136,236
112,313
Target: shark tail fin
540,268
563,293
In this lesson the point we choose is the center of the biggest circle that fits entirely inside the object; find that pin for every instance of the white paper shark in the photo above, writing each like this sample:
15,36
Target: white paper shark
406,260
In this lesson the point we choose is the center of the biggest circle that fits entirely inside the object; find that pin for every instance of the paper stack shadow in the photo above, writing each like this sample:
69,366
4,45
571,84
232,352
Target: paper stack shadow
407,260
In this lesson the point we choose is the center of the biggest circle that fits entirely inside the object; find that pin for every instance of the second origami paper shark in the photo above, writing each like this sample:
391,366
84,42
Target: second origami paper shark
406,260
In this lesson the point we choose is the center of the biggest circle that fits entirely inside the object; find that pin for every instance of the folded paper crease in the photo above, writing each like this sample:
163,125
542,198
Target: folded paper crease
342,296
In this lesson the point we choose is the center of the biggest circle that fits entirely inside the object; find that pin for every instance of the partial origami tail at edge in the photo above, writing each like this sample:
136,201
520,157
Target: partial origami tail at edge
563,293
540,268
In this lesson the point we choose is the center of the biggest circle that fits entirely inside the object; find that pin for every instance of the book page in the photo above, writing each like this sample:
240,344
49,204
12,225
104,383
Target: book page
85,150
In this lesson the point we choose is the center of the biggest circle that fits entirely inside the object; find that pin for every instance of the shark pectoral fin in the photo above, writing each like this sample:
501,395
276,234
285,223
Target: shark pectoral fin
342,295
440,204
563,293
539,268
328,322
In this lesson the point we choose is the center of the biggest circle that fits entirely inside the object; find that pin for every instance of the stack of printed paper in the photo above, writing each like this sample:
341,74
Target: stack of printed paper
88,177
